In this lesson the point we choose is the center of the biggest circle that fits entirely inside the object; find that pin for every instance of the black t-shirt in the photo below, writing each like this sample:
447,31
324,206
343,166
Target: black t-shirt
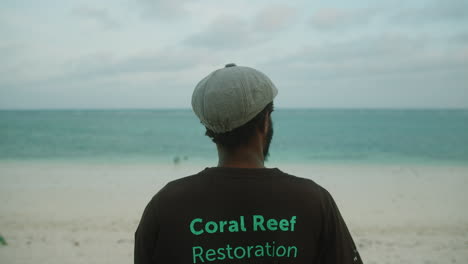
238,215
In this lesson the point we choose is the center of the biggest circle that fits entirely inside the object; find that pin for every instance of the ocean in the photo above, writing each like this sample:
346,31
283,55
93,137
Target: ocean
303,136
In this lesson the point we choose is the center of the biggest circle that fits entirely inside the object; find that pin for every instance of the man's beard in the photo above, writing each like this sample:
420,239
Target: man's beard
268,138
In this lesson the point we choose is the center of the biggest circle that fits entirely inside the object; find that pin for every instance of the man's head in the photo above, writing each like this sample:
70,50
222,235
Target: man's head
243,135
234,103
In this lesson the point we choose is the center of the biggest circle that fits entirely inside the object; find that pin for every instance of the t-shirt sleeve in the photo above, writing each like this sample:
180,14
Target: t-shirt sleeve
336,245
146,235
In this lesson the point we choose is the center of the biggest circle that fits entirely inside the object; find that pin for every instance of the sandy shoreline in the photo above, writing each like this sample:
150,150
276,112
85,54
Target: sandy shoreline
82,213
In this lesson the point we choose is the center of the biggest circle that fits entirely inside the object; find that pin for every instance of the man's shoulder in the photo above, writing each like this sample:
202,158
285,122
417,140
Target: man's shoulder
301,180
304,185
185,181
182,182
284,180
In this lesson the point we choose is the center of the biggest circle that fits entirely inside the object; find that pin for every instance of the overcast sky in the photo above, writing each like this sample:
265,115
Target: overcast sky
152,53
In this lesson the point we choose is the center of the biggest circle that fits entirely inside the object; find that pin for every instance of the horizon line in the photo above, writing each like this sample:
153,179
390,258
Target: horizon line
188,108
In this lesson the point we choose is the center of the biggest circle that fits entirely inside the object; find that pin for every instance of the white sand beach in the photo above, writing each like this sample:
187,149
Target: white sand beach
80,213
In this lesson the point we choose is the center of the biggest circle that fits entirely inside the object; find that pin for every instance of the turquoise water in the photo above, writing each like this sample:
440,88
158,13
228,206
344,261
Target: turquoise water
301,136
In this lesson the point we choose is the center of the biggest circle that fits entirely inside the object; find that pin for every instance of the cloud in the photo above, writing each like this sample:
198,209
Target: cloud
163,9
431,12
106,66
168,60
224,33
18,66
338,18
232,32
100,17
147,79
381,70
461,38
434,11
383,54
274,18
384,45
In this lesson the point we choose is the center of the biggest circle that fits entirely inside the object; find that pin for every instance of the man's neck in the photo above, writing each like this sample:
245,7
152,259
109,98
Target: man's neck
241,158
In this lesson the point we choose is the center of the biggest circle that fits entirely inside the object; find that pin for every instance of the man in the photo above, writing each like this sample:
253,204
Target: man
240,211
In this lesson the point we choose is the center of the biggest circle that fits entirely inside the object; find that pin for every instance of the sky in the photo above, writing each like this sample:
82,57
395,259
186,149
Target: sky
152,53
